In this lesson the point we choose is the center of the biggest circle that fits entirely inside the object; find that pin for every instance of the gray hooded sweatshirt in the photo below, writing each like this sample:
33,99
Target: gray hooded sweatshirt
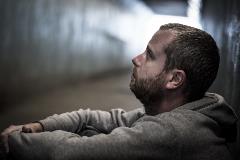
198,130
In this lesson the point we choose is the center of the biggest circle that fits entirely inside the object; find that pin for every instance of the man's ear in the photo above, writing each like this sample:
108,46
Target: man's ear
175,78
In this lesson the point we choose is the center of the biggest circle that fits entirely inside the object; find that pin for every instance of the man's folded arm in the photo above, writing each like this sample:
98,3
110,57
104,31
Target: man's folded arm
102,121
139,142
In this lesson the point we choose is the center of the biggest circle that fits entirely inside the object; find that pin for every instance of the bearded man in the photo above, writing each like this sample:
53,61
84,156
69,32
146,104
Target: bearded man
179,120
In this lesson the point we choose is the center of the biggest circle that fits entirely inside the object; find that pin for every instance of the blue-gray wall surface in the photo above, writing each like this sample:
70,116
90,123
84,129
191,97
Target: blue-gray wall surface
222,19
50,42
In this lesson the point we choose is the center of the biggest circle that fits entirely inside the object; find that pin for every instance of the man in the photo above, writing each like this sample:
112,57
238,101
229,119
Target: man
179,120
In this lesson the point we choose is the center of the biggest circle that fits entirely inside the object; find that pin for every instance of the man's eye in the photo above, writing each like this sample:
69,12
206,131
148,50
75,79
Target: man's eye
149,54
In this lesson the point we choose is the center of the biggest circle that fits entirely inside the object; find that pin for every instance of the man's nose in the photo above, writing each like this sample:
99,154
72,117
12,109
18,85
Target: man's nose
137,60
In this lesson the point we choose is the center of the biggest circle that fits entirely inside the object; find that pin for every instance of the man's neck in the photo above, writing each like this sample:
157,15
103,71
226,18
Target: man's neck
166,104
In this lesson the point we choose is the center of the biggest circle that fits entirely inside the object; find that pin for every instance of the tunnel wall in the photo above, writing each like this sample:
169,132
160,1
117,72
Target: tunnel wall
50,42
222,19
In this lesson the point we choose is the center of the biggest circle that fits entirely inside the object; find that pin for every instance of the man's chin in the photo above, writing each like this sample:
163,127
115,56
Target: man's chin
136,91
146,91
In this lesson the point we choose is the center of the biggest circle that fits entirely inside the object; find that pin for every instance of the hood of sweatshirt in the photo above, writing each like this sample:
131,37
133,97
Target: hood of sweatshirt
215,107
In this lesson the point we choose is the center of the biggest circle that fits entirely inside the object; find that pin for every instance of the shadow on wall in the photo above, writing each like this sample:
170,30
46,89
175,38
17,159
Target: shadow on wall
222,20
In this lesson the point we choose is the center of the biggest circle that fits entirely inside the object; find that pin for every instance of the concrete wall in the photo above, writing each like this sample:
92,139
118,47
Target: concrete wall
222,19
45,43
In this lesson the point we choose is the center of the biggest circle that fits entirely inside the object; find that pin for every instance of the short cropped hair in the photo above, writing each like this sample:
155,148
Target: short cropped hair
195,52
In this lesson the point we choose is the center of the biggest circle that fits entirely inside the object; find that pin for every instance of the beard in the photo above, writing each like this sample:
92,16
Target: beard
148,91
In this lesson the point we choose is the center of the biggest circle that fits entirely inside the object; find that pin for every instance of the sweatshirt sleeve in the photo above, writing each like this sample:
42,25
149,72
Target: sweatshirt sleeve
146,140
101,121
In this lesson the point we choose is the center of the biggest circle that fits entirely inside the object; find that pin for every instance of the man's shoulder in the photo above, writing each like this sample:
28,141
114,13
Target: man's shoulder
183,123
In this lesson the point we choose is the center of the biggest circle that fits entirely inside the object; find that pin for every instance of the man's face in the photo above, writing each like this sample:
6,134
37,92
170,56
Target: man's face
148,77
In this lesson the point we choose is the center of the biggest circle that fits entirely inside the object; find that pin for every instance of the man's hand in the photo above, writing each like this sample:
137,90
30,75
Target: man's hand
27,128
32,128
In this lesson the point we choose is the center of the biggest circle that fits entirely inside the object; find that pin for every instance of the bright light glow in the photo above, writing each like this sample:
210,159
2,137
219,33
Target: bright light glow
136,27
147,24
193,12
138,41
157,20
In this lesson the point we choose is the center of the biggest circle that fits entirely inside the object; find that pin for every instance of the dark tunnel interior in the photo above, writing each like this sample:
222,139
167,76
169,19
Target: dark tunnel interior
59,55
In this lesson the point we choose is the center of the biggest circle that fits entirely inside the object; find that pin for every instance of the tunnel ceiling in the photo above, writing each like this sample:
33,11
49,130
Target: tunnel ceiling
168,7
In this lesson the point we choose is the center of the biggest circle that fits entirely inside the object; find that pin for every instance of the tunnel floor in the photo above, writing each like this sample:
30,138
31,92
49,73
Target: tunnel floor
103,93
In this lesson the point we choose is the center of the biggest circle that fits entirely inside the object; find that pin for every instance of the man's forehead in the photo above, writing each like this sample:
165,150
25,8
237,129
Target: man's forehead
163,36
160,40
